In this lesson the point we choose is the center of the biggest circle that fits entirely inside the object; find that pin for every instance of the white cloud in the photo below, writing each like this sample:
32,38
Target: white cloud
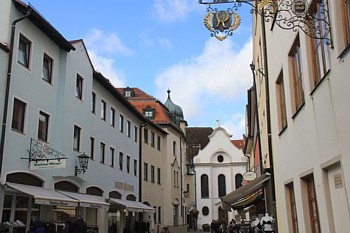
173,10
105,66
235,125
102,48
217,78
165,43
106,42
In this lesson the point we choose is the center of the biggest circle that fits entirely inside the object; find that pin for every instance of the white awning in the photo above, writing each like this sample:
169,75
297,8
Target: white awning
42,195
134,206
86,200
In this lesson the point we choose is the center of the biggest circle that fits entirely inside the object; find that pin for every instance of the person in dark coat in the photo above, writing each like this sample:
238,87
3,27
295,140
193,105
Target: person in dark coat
80,225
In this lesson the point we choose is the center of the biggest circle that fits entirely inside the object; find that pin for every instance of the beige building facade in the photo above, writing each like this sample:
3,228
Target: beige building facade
307,83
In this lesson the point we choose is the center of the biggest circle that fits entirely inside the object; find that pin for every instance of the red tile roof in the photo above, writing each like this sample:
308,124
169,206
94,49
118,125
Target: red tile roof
238,143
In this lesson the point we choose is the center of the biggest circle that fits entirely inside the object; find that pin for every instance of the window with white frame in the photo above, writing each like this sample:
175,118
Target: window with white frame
281,103
43,126
319,47
121,158
47,68
135,167
76,141
102,152
128,128
145,171
18,115
103,110
135,133
24,51
79,87
93,102
121,123
111,152
152,139
92,148
128,164
296,76
152,174
112,116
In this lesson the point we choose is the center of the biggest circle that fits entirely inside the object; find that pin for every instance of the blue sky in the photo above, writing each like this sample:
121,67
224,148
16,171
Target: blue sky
159,44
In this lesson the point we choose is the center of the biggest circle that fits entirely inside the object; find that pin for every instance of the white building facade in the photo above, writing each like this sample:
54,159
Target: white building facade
310,121
56,109
219,168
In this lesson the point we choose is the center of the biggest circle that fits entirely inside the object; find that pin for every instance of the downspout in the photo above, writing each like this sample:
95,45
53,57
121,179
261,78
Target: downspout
7,90
271,187
181,183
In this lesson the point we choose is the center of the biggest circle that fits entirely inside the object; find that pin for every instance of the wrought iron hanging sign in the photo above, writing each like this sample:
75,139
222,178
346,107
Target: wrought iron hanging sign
221,23
312,19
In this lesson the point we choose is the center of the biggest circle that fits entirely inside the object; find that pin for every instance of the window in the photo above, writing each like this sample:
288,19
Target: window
238,180
145,135
93,102
205,210
76,142
220,158
127,93
128,164
176,214
121,123
145,171
79,87
18,115
319,47
345,14
128,128
297,75
121,158
221,185
159,215
135,167
152,139
158,142
24,51
102,152
112,116
148,112
111,150
293,209
135,133
312,201
152,174
204,186
103,110
47,68
92,148
158,176
43,126
281,103
174,148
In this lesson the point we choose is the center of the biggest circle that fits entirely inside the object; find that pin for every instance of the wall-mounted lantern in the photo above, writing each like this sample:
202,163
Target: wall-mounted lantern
83,164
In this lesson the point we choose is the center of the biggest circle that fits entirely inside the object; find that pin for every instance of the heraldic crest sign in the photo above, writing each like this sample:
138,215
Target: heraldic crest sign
221,23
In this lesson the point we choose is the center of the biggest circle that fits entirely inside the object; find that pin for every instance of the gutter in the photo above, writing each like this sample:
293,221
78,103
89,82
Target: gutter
7,85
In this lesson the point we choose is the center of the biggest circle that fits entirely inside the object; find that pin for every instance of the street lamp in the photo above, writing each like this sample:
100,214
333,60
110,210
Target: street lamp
83,164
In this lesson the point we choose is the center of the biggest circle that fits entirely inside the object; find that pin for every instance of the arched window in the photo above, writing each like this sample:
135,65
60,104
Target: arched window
204,186
221,185
238,180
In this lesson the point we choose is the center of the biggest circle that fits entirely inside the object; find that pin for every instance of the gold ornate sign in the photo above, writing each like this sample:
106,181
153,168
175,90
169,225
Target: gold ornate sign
222,23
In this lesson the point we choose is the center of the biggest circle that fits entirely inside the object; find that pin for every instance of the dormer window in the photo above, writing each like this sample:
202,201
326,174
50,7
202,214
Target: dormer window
129,92
149,112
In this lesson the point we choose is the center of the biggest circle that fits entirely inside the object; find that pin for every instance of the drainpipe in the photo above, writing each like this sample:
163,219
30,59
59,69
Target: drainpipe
7,90
271,187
